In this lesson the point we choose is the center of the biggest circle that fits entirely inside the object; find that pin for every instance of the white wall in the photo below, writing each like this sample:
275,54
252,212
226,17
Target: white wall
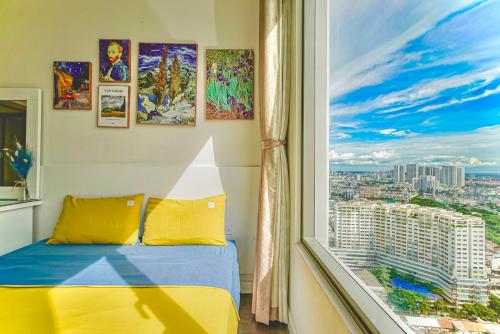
80,158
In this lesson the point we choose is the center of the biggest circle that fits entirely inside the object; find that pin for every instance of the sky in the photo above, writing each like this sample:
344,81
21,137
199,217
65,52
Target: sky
150,54
112,101
414,81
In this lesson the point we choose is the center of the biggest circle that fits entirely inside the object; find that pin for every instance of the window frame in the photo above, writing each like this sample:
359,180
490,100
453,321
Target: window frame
370,314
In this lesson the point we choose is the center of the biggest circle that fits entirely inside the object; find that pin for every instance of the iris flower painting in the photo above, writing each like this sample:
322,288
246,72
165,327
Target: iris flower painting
167,84
230,84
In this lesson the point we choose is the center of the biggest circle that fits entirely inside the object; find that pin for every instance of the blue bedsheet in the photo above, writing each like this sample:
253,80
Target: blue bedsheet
116,265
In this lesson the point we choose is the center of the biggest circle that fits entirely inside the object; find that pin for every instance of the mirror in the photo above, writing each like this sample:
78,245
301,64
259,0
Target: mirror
12,130
20,110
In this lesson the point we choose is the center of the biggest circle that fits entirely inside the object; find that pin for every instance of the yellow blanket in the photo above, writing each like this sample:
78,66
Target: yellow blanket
117,310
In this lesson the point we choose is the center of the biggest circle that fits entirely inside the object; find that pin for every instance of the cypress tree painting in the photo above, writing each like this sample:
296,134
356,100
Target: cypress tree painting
161,81
167,84
175,79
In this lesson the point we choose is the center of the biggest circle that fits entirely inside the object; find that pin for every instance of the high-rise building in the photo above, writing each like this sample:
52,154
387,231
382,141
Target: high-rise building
425,184
399,173
449,175
421,170
436,172
411,172
460,176
435,245
453,176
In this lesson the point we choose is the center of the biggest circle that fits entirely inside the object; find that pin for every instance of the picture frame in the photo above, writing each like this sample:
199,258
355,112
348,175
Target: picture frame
72,85
113,106
114,60
167,99
230,84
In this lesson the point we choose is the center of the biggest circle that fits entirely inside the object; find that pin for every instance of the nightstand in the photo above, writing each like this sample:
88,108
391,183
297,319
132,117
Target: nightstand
16,224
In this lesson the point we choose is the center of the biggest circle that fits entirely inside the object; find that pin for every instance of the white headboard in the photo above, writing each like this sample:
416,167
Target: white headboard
200,178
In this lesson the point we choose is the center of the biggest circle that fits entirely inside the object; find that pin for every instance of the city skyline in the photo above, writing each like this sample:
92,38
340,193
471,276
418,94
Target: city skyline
426,92
390,168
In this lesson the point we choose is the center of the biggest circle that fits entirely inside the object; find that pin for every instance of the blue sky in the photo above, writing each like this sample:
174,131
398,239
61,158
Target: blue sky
415,81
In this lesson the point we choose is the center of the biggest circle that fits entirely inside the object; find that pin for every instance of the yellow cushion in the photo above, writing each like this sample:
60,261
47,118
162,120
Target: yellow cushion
185,222
112,220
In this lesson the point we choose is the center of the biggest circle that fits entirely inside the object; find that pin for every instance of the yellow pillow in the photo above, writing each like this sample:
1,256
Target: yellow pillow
112,220
185,222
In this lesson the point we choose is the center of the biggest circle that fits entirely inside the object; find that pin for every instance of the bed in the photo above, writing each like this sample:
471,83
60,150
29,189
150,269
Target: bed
119,289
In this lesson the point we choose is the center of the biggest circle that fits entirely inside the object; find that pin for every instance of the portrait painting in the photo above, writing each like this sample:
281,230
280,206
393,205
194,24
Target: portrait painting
114,60
72,85
230,84
167,84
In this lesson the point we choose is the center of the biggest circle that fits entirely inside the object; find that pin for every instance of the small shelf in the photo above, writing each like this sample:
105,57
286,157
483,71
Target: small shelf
12,204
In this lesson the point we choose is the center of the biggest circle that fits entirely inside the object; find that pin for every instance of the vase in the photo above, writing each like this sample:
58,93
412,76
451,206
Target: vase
26,193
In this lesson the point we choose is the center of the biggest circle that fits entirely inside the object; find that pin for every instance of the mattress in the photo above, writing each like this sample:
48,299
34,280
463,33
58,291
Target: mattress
120,289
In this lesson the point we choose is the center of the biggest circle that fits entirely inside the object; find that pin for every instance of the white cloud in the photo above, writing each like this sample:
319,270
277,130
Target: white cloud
486,93
372,58
350,158
474,149
340,157
430,121
460,160
387,131
421,93
383,155
341,135
394,132
390,116
348,125
476,162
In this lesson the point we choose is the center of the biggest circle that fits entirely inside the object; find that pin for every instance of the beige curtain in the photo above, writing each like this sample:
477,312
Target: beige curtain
270,285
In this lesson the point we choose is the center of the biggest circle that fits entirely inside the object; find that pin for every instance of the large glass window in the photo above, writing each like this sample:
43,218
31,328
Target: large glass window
406,136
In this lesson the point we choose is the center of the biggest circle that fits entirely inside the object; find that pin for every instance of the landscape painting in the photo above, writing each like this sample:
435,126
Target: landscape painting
230,84
72,85
113,106
114,60
167,84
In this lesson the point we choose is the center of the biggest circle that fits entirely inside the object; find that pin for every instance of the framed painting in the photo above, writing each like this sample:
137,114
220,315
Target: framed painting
114,60
114,102
230,84
72,85
166,92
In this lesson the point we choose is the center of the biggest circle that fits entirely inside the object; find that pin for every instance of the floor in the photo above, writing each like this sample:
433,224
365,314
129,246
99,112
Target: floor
249,326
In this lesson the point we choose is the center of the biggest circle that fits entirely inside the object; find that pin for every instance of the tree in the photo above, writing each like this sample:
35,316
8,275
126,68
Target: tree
425,306
161,80
474,311
468,312
175,80
404,300
440,307
383,275
495,304
396,298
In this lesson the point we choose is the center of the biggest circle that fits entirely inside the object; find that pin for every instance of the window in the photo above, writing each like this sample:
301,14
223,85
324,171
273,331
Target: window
401,154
